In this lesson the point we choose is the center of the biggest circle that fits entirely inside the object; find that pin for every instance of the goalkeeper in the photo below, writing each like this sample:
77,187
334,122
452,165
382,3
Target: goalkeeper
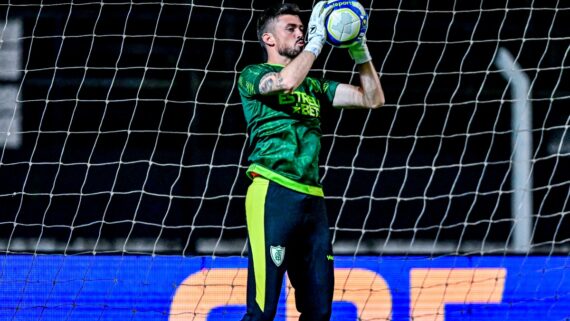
285,210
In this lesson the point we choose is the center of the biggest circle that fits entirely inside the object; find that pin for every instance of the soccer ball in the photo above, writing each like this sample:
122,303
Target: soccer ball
346,23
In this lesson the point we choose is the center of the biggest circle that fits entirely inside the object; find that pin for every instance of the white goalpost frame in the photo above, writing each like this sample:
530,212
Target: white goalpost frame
521,177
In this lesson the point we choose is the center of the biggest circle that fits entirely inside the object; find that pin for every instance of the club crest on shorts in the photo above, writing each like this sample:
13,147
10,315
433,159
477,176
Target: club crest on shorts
277,254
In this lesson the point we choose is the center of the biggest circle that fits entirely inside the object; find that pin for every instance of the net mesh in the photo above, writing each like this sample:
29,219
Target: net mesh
122,127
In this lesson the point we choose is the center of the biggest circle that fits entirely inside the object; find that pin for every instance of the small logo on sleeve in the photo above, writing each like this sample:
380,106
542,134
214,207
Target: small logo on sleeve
277,254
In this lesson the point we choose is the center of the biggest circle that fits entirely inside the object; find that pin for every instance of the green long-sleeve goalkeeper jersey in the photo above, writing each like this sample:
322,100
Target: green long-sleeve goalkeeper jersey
285,129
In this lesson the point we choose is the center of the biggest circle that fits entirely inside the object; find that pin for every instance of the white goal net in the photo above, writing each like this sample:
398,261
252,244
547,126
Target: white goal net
123,151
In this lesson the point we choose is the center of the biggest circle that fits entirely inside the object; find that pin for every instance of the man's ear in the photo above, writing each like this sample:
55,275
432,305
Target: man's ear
268,39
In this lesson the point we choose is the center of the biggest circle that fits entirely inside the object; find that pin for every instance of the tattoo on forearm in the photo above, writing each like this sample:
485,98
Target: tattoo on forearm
270,82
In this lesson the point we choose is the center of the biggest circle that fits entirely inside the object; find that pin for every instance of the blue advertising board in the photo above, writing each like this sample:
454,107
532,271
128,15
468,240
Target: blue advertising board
57,287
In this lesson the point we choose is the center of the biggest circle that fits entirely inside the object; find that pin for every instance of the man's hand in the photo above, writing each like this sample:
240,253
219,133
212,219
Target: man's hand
359,52
316,32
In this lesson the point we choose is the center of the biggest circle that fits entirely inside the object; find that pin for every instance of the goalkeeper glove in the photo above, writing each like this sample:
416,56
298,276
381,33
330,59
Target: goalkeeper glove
317,34
359,52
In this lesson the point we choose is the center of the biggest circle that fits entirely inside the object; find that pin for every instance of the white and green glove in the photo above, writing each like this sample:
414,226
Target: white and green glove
359,52
317,33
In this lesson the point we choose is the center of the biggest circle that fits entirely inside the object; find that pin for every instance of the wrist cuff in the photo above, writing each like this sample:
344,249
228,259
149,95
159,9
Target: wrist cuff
314,46
359,53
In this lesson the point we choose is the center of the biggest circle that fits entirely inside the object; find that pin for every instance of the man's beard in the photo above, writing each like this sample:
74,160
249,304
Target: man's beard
290,52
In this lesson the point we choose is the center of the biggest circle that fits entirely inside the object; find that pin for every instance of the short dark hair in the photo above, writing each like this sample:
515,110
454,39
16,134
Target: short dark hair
271,14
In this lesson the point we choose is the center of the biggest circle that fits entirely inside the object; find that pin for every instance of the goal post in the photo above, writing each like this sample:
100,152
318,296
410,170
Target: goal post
123,150
521,144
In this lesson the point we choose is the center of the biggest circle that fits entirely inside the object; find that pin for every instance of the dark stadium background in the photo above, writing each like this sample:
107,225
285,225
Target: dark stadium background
102,106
